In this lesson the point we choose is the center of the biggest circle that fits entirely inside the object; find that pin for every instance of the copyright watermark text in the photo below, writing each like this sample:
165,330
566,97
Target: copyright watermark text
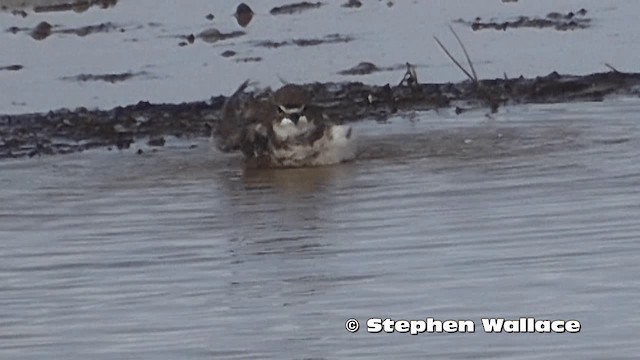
489,325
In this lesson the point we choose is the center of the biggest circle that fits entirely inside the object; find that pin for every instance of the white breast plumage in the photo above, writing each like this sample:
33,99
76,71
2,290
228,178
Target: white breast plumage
336,145
286,129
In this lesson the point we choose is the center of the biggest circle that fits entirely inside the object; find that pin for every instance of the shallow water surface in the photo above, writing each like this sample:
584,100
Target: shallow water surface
183,254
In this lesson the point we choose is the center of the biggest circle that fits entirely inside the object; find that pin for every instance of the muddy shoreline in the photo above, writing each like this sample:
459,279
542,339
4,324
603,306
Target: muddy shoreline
64,131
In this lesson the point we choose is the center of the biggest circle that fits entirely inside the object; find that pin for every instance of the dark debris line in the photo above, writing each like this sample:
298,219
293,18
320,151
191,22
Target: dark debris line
111,78
65,131
295,8
15,67
561,22
328,39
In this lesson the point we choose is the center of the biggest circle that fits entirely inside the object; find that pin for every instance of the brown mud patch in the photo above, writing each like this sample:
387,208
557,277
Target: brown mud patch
248,59
58,6
352,4
214,35
210,36
77,6
21,13
189,39
65,131
243,15
561,22
93,29
228,53
328,39
294,8
11,68
44,29
366,68
110,78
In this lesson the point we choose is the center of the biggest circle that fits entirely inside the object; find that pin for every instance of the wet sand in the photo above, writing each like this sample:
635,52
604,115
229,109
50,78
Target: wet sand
153,38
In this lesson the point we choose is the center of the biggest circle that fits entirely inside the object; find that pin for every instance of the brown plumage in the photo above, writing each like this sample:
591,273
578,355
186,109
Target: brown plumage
240,110
292,95
283,130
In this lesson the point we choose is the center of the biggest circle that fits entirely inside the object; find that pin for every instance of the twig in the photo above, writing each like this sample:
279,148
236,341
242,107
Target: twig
410,77
611,67
492,101
283,81
240,89
455,61
466,54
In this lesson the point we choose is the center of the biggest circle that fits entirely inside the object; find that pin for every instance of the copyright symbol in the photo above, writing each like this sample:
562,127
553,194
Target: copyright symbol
352,325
